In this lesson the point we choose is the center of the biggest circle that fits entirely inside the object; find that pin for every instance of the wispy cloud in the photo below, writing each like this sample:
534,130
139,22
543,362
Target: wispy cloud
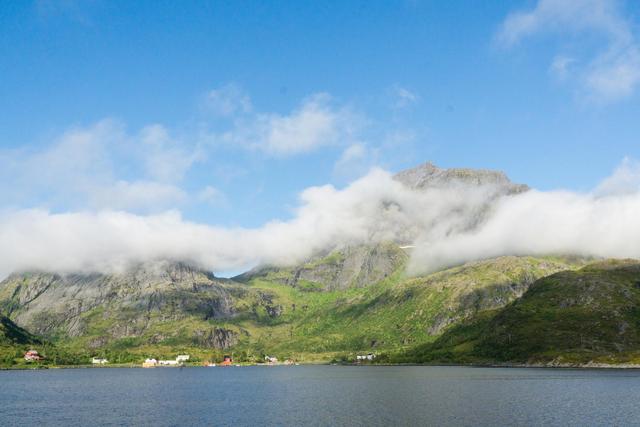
104,165
228,100
212,196
612,72
137,196
625,180
101,166
317,122
403,97
354,162
561,66
166,159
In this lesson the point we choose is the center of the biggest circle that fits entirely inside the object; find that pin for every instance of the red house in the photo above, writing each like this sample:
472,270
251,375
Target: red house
227,361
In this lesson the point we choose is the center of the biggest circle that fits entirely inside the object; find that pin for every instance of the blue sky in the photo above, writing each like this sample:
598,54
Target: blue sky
226,111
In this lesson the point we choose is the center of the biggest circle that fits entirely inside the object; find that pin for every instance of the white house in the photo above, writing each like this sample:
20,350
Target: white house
271,359
182,358
167,362
149,363
369,356
99,361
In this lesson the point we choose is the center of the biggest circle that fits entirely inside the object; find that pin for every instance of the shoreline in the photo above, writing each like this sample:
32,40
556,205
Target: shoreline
587,366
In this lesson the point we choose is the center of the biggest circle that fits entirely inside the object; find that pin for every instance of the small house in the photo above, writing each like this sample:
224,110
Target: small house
99,361
227,361
32,355
272,360
369,356
182,358
150,363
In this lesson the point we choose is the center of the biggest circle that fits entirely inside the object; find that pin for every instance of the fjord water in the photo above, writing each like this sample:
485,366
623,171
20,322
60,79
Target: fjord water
320,395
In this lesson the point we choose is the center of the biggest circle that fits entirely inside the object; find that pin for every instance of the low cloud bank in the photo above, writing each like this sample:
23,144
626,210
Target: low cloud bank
447,225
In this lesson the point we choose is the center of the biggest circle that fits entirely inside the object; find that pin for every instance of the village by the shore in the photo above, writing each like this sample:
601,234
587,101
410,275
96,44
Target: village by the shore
33,357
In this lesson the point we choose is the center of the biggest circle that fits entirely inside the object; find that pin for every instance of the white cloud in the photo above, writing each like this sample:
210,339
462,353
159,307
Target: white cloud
316,123
538,223
614,72
99,166
212,196
374,208
355,161
448,225
625,180
403,97
165,159
106,166
228,100
352,153
138,196
561,65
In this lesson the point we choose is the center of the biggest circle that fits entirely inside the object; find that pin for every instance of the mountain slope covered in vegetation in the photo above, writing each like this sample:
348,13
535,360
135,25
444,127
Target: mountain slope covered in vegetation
571,317
170,308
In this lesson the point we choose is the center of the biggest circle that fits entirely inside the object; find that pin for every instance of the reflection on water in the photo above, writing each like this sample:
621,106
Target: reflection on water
320,395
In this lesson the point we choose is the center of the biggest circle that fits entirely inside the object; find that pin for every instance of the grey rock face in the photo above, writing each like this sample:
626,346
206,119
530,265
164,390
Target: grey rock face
217,338
56,304
354,266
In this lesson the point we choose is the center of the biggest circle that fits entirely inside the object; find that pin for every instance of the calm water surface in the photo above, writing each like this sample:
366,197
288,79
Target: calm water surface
319,395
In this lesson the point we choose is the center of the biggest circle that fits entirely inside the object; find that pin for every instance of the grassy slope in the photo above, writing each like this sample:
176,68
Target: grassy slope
14,341
394,314
569,317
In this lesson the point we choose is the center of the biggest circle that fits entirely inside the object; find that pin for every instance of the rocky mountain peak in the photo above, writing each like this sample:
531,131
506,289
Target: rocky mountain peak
428,175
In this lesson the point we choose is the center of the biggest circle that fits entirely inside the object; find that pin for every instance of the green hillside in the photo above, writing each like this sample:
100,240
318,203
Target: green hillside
173,308
12,334
572,317
14,341
399,312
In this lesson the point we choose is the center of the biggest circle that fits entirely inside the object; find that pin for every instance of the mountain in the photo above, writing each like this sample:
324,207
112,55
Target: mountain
343,301
151,304
364,265
169,307
591,315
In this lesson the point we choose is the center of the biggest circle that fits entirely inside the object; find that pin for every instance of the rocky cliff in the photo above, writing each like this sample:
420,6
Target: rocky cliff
136,303
350,267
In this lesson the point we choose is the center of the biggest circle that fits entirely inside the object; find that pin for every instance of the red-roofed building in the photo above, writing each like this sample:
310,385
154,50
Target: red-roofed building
32,355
